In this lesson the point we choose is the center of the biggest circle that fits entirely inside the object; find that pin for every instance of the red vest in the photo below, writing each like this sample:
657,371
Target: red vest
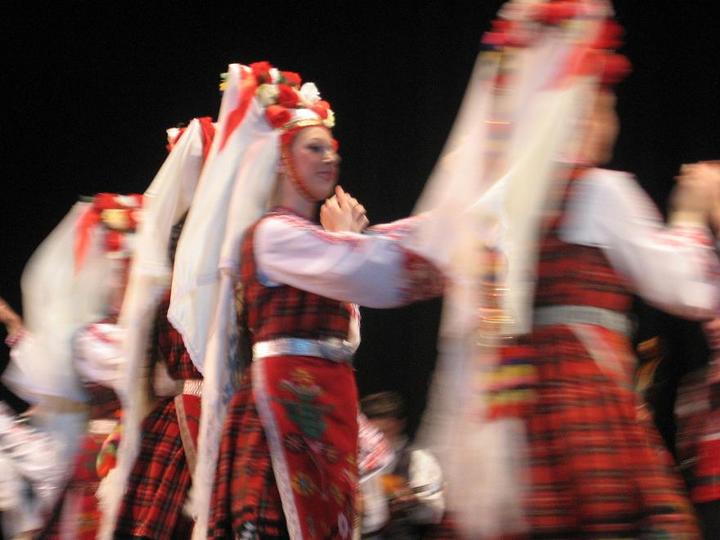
571,274
283,311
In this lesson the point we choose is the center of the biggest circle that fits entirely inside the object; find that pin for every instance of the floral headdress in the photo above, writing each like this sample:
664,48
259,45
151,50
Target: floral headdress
288,103
521,24
117,214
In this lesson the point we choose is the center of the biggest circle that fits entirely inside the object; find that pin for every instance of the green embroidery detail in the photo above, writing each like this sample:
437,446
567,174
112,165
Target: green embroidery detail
305,412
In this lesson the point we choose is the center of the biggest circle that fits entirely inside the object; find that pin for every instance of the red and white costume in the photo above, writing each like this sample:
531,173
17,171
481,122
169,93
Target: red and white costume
298,399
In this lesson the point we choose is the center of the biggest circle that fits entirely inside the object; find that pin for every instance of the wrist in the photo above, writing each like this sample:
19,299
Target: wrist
692,218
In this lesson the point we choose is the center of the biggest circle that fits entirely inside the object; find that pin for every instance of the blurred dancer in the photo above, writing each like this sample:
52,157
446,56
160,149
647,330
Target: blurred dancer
574,459
145,496
59,298
97,359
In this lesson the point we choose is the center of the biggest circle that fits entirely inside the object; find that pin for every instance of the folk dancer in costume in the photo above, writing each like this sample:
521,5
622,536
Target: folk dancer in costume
145,495
574,461
697,414
288,457
697,417
97,358
59,298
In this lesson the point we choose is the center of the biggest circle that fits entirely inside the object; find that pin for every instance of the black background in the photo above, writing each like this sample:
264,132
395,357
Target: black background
89,88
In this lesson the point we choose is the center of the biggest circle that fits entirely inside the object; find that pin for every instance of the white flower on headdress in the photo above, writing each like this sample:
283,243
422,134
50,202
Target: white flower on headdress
172,134
125,200
267,94
329,122
310,93
274,75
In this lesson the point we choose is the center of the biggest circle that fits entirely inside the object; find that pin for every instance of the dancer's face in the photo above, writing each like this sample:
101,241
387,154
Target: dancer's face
602,128
316,161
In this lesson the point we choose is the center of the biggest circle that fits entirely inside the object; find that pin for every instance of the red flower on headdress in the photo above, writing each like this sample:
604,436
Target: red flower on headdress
277,116
497,35
616,68
321,108
261,71
291,78
609,37
105,201
287,96
609,67
555,12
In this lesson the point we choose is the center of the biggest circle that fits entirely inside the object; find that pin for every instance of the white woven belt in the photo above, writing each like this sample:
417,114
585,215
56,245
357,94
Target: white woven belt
102,426
612,320
334,349
193,387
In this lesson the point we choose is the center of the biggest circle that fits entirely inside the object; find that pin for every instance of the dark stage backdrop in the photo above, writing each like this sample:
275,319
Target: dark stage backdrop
90,87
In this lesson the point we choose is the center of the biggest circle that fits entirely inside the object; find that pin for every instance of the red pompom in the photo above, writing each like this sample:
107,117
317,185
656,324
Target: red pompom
321,108
277,116
497,35
609,36
261,71
615,69
291,78
555,12
287,96
105,201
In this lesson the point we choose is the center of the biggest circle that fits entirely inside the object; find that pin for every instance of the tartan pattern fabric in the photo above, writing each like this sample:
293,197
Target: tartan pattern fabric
571,274
77,509
697,412
158,485
246,503
285,311
160,479
102,401
168,346
596,468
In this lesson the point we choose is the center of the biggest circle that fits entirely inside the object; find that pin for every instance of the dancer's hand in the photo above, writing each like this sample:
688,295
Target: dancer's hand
697,193
12,321
343,213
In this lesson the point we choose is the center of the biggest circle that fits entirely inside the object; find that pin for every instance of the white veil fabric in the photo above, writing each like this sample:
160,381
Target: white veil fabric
514,182
57,300
166,200
235,192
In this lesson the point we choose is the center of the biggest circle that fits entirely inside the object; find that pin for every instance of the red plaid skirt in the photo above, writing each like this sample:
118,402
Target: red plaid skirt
77,510
245,499
596,470
160,479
